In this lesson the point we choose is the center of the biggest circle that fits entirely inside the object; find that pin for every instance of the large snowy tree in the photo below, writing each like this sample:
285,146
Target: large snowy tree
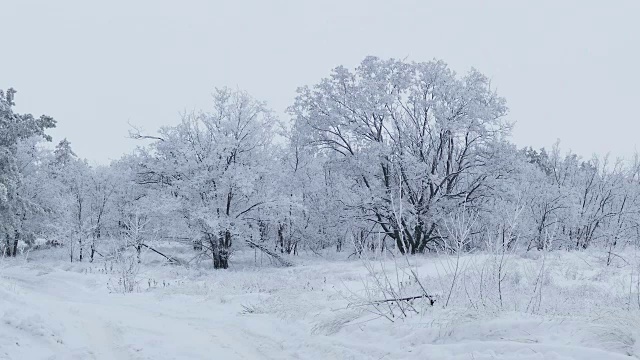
414,139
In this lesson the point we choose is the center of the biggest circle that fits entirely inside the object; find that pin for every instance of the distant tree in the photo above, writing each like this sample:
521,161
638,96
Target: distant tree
63,153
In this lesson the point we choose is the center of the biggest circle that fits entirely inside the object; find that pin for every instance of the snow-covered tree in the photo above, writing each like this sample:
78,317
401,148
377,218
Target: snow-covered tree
409,133
15,206
216,165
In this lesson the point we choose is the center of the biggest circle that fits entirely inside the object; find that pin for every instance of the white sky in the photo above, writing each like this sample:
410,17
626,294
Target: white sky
569,69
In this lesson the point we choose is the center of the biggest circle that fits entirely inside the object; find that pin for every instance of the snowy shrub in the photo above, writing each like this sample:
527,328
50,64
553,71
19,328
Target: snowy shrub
124,269
333,324
125,279
392,292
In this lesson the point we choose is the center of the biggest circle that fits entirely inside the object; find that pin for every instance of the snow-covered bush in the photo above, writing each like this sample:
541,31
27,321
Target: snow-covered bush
123,267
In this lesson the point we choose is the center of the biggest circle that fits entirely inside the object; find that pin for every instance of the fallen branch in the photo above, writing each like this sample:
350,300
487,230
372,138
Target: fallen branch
280,259
409,298
171,259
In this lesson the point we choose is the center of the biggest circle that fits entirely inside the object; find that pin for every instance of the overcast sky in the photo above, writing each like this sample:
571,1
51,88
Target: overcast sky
569,69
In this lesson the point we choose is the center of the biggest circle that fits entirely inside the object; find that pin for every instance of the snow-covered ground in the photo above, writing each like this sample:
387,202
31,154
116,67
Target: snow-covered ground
582,309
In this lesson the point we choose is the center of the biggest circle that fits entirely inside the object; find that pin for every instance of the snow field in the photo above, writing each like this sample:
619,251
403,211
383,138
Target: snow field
583,309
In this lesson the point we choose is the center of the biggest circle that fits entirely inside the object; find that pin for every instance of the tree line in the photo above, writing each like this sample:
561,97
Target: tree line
376,158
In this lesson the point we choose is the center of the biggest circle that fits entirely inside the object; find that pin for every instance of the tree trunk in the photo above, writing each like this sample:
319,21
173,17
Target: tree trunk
16,239
220,260
220,249
400,243
93,251
280,238
80,249
96,237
